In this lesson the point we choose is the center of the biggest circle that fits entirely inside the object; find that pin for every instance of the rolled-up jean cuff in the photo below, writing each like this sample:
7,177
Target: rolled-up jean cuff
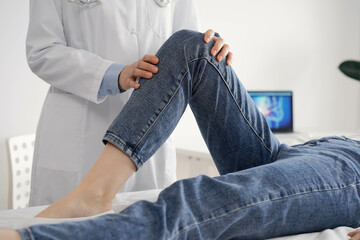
117,142
25,234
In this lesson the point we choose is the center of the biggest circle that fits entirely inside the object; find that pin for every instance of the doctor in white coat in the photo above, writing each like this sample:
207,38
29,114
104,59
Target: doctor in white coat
80,47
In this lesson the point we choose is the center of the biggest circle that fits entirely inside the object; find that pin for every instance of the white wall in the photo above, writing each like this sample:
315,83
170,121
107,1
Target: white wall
296,45
21,93
278,44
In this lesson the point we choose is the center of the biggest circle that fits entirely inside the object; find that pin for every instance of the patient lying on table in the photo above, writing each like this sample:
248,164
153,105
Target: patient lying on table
266,189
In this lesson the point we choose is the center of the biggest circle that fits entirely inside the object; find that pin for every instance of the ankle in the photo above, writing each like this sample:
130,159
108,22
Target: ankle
95,198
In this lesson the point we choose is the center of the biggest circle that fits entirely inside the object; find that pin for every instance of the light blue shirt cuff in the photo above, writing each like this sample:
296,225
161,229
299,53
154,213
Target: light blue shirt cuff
109,84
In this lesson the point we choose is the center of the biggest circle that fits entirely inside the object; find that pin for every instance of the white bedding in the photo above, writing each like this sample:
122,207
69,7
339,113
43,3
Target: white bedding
15,219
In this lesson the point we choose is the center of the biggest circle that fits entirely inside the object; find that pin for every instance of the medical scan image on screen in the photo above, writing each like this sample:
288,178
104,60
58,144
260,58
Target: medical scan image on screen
277,109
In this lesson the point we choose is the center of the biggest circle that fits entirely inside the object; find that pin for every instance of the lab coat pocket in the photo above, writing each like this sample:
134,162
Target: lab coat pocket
60,132
159,18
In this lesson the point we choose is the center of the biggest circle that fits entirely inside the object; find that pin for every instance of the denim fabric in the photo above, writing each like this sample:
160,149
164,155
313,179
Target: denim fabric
226,115
265,189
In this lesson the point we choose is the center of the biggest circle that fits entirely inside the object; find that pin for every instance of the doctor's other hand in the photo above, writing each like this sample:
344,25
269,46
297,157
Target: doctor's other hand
220,47
144,68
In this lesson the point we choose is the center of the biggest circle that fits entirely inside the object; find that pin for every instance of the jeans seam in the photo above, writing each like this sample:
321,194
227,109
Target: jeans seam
123,147
262,202
161,111
242,113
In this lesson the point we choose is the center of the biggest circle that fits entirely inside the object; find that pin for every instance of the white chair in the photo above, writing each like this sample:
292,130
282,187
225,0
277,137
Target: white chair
21,149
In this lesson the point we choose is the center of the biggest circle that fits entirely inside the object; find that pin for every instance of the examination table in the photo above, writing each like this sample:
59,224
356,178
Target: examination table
14,219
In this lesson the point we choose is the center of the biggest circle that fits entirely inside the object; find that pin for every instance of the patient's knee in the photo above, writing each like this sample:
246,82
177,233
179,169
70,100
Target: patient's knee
185,34
185,42
182,37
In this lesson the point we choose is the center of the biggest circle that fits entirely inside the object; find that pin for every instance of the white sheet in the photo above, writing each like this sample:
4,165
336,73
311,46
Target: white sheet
15,219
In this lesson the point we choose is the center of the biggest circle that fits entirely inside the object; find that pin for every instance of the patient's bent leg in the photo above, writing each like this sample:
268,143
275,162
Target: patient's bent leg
235,132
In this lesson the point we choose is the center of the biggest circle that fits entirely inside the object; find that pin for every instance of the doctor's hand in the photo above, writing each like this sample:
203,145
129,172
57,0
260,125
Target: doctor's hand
220,48
144,68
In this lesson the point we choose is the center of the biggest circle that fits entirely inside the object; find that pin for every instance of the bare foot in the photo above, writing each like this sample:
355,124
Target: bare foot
76,204
9,235
354,235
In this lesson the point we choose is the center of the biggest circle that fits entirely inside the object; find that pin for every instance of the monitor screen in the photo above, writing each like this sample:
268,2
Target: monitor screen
276,106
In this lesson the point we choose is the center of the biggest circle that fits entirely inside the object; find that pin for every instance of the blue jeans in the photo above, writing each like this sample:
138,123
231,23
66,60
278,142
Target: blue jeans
266,189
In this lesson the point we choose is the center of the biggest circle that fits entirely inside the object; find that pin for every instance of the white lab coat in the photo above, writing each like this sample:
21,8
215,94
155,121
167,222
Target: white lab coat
70,46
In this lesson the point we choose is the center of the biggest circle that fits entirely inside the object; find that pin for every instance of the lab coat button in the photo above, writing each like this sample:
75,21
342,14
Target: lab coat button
132,30
109,91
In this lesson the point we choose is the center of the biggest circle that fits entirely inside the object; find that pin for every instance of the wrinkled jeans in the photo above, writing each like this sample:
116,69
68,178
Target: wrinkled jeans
266,189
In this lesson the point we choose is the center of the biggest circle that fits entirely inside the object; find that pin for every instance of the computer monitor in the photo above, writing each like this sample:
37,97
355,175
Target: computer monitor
277,107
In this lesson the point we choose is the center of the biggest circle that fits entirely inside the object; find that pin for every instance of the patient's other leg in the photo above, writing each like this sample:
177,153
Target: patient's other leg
310,188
